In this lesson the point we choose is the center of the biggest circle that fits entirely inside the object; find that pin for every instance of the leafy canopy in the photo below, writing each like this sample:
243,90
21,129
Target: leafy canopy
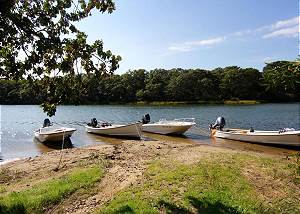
39,39
282,77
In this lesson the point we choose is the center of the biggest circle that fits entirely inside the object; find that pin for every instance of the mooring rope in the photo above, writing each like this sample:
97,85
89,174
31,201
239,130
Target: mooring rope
61,151
138,131
201,131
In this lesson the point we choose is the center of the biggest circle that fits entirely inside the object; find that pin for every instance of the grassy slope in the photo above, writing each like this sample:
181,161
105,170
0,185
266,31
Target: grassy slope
224,184
39,197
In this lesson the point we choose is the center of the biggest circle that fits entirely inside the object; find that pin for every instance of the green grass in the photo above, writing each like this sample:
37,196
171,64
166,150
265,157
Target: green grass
243,102
200,102
2,189
210,186
37,198
175,103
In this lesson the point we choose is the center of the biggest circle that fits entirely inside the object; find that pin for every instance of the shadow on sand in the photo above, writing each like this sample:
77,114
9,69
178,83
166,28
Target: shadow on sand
56,145
201,206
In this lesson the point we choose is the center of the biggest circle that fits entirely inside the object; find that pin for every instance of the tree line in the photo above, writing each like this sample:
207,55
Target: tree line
279,81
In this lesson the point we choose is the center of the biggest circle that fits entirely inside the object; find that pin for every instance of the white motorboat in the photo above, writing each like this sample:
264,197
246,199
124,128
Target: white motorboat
132,130
171,127
53,134
288,137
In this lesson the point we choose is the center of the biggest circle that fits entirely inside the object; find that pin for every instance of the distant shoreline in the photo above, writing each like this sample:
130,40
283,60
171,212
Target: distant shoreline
175,103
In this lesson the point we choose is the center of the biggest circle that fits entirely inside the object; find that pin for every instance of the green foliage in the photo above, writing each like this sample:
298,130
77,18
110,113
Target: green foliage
282,79
236,82
39,39
40,196
49,108
162,86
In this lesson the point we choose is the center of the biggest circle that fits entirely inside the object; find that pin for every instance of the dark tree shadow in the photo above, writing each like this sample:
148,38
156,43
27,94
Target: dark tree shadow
208,207
17,208
172,208
201,206
57,145
124,209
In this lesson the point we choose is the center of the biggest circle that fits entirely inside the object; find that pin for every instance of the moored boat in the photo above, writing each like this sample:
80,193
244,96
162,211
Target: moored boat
49,133
287,136
171,127
132,130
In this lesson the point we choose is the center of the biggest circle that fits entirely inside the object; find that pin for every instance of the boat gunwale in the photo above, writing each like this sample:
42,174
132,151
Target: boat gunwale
58,132
110,127
251,133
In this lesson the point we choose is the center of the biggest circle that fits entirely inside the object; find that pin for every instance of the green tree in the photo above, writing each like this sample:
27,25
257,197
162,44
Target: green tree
236,82
155,89
282,79
39,39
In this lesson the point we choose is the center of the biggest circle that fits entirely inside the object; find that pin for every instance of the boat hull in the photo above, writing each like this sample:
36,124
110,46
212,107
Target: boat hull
55,135
131,130
290,138
175,129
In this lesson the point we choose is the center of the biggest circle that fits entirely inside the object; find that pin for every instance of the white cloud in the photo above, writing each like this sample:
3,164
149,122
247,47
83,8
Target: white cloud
285,32
281,28
189,46
286,23
207,42
179,48
241,33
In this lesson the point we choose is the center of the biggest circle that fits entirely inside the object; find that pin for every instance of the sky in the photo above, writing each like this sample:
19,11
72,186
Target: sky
205,34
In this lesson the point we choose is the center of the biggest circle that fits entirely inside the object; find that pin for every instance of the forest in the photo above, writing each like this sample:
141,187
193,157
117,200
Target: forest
278,82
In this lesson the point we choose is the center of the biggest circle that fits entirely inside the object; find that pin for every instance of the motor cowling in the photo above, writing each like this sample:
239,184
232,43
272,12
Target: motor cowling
46,123
93,122
219,124
146,119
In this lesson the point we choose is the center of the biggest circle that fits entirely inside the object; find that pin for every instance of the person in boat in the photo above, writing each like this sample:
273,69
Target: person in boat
219,124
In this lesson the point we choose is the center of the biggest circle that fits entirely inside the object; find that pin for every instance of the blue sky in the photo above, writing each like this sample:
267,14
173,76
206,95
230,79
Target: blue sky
198,33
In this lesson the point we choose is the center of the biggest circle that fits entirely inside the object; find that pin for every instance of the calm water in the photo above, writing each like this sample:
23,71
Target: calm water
19,122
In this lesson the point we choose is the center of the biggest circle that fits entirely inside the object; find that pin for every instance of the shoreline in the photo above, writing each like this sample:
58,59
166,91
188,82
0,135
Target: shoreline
243,146
175,103
126,166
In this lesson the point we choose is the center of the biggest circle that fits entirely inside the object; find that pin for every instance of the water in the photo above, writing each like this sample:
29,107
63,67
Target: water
18,122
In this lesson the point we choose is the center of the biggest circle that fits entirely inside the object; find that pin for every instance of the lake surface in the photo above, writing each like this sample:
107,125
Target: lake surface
18,123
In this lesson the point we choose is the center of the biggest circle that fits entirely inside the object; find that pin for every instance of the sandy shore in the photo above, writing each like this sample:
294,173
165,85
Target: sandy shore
124,164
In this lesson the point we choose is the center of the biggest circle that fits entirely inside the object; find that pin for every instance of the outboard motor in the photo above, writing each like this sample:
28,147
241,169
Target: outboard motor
219,124
146,119
93,122
47,123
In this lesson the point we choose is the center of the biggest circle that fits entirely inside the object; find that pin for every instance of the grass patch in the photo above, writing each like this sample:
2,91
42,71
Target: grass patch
2,189
199,102
210,186
39,197
175,103
241,102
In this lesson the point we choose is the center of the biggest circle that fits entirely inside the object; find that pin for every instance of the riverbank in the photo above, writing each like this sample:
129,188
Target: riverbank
201,102
152,177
